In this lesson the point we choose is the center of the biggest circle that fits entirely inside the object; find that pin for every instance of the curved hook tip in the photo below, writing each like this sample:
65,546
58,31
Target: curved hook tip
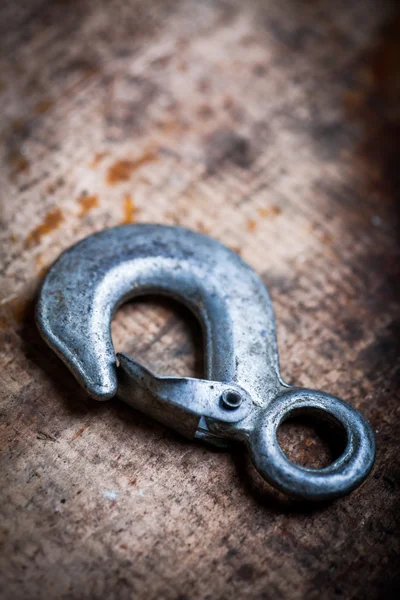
101,392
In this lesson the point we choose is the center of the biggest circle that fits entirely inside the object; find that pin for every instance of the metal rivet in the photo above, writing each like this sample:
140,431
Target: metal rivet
231,400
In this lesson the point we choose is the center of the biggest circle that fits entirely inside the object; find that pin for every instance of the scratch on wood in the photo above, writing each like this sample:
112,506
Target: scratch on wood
79,432
130,210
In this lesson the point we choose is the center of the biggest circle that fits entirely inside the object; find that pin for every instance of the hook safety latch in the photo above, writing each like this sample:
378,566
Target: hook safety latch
182,403
242,397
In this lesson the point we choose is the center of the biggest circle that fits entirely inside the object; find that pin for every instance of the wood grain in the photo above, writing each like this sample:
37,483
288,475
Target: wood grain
274,127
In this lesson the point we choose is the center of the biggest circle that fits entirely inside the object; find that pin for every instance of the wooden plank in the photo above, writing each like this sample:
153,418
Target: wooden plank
274,128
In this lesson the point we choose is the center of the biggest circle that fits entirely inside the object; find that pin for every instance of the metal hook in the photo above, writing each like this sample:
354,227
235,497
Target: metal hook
242,396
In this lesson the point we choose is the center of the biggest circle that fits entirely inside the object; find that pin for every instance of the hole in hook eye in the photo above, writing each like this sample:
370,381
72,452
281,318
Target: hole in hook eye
231,399
161,334
310,438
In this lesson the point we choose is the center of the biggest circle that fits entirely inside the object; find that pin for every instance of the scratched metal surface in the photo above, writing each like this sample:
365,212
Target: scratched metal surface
272,126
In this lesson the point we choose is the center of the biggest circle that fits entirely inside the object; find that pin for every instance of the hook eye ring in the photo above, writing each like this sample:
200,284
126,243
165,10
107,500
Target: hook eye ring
337,479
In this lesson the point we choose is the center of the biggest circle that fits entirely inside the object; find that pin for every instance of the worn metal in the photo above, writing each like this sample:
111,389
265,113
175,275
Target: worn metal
242,398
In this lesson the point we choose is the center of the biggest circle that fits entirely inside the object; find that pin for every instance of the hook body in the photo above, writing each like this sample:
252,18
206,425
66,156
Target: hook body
242,396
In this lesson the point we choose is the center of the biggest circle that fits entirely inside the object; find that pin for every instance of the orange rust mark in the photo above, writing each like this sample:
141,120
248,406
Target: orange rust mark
39,261
236,249
43,107
129,209
52,221
123,169
88,203
42,272
270,211
79,432
98,157
251,225
41,266
123,547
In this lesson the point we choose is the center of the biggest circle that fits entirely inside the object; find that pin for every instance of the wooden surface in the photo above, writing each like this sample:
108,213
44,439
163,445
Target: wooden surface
274,127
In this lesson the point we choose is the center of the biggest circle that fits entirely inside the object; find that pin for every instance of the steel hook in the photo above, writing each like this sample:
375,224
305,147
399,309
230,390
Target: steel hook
242,397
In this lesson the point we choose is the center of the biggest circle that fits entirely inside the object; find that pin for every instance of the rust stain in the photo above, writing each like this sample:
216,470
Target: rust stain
269,211
79,432
43,107
43,271
88,203
39,261
251,225
51,222
130,210
98,157
41,265
123,169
